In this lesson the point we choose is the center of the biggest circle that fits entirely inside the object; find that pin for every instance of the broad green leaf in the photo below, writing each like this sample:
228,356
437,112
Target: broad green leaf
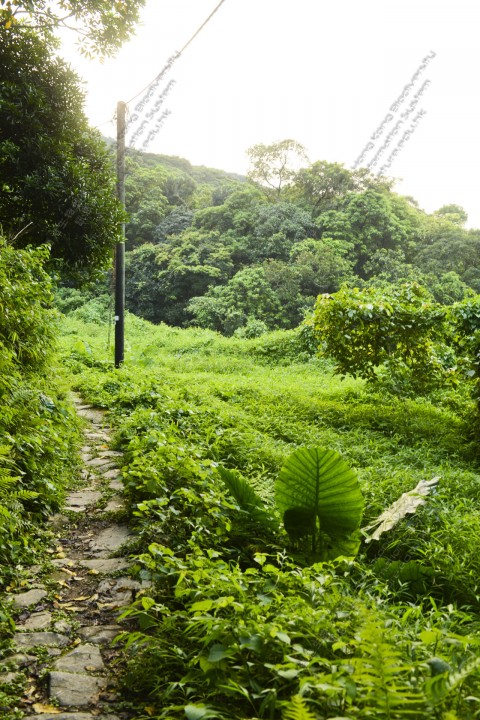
318,483
202,606
252,642
218,652
147,602
197,712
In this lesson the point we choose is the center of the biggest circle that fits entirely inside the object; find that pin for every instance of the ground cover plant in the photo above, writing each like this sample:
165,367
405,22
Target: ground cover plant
240,623
37,428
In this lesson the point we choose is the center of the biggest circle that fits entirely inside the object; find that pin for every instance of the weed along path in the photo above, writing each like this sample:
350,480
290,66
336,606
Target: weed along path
66,618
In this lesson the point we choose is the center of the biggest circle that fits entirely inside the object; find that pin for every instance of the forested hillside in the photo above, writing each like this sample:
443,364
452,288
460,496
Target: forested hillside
244,255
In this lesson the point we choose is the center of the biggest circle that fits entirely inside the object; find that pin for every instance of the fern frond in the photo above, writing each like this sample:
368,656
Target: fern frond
439,686
297,710
4,513
245,495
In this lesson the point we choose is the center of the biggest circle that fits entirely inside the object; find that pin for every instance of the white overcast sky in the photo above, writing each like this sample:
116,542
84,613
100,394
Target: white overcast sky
324,74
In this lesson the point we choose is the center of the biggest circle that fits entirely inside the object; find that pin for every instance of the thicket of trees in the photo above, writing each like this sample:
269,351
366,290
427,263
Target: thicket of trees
225,252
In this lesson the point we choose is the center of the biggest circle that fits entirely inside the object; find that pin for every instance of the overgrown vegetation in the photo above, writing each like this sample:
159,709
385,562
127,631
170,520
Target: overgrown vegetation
240,624
247,255
37,427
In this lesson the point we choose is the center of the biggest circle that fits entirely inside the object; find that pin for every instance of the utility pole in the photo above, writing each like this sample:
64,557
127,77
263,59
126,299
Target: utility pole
120,246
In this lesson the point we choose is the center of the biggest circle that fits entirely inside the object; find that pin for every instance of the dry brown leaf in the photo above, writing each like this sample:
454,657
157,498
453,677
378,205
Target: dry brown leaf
40,708
405,505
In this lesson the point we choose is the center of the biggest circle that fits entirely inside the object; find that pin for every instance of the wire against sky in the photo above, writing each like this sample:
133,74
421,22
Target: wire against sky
168,64
177,55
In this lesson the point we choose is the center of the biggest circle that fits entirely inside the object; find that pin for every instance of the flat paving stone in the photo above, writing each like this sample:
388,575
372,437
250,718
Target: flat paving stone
31,597
63,627
110,454
109,540
112,474
119,592
99,462
70,716
82,498
118,584
99,634
105,565
84,658
37,621
115,504
20,660
30,640
96,435
63,562
74,690
8,678
92,414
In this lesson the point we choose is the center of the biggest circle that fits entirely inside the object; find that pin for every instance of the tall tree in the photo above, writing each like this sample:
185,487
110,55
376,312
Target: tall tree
56,177
323,184
274,166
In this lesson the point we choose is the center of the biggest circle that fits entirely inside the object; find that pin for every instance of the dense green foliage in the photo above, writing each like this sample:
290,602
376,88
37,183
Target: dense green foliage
237,626
37,429
245,256
395,335
56,176
101,26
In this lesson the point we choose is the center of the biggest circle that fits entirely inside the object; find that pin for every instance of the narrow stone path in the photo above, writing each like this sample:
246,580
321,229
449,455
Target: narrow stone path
68,617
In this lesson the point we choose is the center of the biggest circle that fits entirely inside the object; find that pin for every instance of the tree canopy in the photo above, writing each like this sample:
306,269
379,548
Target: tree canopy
101,26
56,176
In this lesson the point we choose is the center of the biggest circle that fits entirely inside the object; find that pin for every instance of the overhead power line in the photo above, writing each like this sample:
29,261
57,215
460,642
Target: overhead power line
169,62
175,57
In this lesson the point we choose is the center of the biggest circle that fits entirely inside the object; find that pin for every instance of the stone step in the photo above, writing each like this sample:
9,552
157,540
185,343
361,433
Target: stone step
78,675
27,641
99,634
109,540
36,621
29,598
79,500
75,690
70,716
105,565
83,658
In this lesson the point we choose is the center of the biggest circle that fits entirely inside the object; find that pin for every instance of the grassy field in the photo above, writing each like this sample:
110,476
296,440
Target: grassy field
391,634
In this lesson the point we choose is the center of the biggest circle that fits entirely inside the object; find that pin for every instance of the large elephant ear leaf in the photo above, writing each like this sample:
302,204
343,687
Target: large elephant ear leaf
321,484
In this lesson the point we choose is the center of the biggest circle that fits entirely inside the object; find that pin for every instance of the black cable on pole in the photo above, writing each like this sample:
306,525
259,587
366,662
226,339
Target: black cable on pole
177,54
120,246
171,60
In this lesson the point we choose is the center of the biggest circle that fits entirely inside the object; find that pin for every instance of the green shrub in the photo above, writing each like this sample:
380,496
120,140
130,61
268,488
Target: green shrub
37,426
